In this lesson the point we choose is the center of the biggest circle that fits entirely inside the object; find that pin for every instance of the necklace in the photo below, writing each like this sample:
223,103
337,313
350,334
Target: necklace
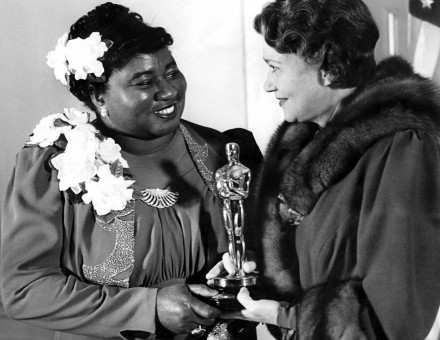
163,198
159,198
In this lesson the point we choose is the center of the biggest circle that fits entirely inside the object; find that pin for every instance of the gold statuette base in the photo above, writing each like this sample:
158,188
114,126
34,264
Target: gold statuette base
228,287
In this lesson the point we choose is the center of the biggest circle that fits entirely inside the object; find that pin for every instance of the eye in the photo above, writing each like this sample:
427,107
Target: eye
172,74
273,68
146,83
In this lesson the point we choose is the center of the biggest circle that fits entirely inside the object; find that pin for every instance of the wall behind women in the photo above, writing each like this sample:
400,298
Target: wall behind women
215,47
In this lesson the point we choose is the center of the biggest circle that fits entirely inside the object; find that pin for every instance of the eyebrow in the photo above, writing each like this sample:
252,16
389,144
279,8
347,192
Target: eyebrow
141,73
268,60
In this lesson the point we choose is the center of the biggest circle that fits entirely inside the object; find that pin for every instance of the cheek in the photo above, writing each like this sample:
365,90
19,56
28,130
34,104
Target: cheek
181,87
288,86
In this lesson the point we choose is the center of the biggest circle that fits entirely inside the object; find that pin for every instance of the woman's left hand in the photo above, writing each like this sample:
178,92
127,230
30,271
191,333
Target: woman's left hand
265,311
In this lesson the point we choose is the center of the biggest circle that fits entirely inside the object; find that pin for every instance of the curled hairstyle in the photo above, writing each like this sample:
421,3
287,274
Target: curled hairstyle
338,36
129,35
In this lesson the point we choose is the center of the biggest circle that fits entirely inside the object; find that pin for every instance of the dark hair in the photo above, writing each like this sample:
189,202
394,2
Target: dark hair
129,36
339,36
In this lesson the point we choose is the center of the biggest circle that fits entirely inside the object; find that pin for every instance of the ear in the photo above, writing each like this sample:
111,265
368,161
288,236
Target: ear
326,78
97,98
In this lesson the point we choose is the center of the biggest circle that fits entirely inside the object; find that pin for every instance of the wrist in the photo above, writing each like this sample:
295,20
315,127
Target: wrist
287,316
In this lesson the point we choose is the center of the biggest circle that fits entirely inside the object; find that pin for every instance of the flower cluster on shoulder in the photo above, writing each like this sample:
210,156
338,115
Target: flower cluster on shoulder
89,164
78,56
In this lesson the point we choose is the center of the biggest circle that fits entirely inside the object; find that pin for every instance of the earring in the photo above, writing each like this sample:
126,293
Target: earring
104,112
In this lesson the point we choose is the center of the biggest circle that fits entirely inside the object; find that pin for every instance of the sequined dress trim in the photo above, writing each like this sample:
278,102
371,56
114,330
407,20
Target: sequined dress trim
121,259
199,153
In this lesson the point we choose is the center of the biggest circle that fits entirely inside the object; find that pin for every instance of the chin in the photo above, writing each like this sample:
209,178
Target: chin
167,127
290,119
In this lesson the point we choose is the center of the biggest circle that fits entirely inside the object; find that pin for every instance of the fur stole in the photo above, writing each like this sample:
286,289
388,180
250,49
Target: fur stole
303,160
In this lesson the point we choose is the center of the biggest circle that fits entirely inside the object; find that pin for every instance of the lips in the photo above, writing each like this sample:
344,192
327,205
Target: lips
281,101
166,111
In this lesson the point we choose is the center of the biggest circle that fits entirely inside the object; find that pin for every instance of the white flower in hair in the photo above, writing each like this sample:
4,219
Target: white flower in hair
57,60
109,193
82,55
78,56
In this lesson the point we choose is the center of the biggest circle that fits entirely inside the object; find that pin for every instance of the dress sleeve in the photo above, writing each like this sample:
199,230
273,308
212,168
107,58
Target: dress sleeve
34,286
399,235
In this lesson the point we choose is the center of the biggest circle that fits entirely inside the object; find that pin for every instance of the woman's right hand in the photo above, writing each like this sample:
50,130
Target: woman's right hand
228,265
179,311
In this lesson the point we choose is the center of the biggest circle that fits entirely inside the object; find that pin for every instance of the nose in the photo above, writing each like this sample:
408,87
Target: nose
165,91
269,84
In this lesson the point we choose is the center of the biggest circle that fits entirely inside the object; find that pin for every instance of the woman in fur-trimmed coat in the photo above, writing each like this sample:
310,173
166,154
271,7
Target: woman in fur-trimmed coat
347,216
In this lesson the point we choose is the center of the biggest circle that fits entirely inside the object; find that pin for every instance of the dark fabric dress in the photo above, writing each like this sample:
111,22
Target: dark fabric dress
65,269
348,215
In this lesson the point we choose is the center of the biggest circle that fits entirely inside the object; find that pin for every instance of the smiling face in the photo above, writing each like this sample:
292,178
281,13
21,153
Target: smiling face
145,98
301,89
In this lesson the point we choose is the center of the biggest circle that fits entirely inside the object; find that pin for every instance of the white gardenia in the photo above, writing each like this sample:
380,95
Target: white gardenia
46,133
76,117
109,193
57,60
73,169
77,163
109,152
77,56
84,164
82,55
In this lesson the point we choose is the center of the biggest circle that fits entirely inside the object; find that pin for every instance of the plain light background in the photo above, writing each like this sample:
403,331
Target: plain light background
215,47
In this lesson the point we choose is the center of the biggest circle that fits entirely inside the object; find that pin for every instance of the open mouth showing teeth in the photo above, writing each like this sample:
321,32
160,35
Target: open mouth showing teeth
165,111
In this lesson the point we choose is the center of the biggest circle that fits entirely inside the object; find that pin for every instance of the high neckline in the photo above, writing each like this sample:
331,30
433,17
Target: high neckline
137,146
157,150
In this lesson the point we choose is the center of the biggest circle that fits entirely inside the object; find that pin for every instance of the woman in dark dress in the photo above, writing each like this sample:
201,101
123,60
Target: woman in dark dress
347,218
110,226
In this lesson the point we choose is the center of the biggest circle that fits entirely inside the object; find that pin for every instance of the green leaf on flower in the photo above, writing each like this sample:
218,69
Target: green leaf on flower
127,174
52,157
74,198
107,219
100,136
116,169
61,142
60,123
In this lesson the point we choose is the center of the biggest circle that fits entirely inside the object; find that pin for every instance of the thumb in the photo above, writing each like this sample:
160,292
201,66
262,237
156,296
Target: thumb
244,298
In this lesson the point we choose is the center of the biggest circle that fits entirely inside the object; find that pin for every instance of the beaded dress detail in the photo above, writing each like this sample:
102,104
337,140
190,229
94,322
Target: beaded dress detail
121,258
117,268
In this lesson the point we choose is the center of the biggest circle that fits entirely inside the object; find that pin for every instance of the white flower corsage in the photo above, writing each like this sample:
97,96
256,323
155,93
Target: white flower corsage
78,56
89,164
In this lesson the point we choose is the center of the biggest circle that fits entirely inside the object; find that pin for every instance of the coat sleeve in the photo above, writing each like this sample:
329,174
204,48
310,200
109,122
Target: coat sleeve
399,236
34,286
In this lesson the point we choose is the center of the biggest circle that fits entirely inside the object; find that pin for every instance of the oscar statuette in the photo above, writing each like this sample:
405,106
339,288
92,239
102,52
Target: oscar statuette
232,182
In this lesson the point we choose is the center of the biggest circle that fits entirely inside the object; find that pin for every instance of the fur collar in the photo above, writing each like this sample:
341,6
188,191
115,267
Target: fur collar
307,160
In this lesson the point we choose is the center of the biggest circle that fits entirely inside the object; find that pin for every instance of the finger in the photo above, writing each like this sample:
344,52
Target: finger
202,290
203,321
215,271
228,264
204,310
244,298
191,326
233,315
249,266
